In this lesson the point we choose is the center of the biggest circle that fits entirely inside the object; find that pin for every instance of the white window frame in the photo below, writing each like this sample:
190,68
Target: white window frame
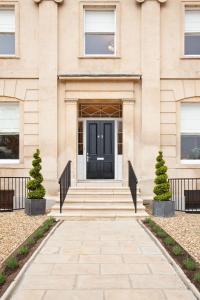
188,161
189,6
115,31
15,5
12,161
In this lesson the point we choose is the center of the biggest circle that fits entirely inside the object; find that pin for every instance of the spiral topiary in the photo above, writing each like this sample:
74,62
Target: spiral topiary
162,187
35,187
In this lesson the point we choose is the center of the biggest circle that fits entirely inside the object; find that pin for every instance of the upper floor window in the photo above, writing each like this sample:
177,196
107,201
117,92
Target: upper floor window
7,31
190,131
9,131
100,32
192,31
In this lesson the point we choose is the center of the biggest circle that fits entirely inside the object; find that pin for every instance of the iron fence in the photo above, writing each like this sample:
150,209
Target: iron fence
186,194
13,192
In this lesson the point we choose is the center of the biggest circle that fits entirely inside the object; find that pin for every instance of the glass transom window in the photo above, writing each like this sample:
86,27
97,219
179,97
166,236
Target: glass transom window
99,32
7,31
103,110
190,131
192,31
9,131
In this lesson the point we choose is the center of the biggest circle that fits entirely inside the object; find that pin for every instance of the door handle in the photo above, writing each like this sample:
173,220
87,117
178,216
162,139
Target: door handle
100,158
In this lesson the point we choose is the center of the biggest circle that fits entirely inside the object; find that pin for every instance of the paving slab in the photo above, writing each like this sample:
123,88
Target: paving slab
100,260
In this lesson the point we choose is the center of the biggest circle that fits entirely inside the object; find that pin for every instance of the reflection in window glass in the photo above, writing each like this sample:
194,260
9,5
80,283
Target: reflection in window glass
80,138
9,146
190,146
120,138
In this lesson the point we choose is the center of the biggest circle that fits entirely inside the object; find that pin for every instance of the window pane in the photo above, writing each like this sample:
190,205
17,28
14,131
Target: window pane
9,146
7,20
120,138
190,146
80,138
99,21
192,44
192,20
7,43
9,117
99,44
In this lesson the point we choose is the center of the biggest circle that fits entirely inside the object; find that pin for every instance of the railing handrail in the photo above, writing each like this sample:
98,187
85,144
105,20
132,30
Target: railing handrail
69,162
133,181
65,183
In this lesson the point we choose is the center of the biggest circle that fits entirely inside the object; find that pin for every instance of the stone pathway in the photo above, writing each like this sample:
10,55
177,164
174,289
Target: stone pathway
101,261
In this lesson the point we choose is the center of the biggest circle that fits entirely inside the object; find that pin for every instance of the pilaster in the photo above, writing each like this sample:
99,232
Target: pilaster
48,58
150,65
128,136
71,136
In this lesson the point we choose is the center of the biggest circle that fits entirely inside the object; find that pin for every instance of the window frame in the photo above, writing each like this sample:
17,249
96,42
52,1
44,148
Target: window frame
15,6
98,33
192,5
190,163
100,5
15,162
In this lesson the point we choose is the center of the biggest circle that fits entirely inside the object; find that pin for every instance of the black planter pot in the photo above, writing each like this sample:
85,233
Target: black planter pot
35,207
164,209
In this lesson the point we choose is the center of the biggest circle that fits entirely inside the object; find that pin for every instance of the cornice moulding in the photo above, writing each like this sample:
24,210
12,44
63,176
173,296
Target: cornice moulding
142,1
56,1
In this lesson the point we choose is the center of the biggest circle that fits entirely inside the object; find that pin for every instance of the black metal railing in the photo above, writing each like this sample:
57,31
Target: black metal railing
65,183
13,192
132,179
186,194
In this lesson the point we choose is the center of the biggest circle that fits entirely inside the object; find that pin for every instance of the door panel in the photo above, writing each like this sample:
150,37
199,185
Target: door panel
100,150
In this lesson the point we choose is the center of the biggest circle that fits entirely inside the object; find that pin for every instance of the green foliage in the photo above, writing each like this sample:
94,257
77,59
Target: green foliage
30,242
35,187
177,250
162,187
169,241
23,250
190,264
161,233
197,277
39,233
2,278
12,263
148,221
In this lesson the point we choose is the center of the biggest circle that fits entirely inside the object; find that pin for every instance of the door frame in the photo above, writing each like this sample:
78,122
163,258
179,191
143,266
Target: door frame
84,120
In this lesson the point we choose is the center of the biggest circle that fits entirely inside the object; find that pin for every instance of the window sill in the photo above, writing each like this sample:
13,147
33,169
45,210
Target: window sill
190,57
99,57
9,56
9,161
191,162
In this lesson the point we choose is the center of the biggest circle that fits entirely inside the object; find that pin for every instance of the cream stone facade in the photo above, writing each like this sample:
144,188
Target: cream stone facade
149,76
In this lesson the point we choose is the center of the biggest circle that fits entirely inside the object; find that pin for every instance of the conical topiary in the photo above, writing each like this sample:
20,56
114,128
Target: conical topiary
162,187
35,187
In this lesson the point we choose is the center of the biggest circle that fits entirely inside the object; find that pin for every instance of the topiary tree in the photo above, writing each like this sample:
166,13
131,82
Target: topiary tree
162,187
35,187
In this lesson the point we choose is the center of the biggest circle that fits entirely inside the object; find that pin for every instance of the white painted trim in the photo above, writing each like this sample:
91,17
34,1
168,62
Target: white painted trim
190,161
9,161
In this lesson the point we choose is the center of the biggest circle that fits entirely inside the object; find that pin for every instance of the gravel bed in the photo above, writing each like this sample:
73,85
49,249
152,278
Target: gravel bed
185,229
15,228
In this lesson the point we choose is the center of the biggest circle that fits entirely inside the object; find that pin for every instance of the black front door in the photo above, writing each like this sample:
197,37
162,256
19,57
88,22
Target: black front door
100,150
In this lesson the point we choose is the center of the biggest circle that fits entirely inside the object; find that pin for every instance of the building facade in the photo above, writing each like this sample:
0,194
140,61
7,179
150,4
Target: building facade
100,83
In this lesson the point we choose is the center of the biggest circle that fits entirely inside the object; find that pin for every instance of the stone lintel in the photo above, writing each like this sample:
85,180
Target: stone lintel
142,1
56,1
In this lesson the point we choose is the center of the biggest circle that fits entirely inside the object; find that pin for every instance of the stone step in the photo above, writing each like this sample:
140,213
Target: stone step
97,207
99,183
98,215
